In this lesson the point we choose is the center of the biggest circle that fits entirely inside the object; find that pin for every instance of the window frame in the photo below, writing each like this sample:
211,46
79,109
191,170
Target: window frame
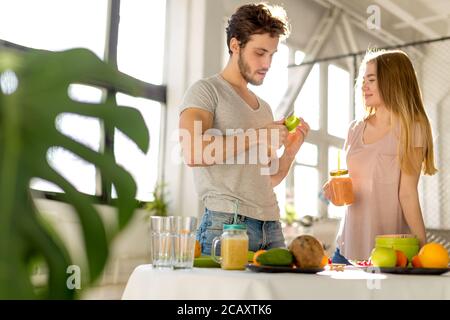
157,93
321,138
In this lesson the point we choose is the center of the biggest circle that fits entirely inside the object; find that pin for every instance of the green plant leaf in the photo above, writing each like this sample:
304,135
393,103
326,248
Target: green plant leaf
33,93
159,205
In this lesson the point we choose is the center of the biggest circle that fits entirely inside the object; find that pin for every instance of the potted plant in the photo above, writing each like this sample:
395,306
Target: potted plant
33,92
159,205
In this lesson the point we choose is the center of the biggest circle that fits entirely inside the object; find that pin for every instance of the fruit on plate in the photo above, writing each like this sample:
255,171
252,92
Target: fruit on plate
383,257
433,255
363,263
256,255
291,123
308,251
402,259
407,243
325,261
250,255
415,261
198,249
275,257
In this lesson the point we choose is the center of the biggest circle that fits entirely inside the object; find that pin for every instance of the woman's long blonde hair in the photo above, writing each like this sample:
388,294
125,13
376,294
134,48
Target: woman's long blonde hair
399,89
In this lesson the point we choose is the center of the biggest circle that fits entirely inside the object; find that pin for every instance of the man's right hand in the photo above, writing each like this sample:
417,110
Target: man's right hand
273,136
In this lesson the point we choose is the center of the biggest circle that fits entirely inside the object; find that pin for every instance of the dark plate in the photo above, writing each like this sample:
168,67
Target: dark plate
279,269
400,270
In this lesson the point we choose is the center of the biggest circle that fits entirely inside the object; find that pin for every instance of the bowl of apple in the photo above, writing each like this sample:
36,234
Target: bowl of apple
407,243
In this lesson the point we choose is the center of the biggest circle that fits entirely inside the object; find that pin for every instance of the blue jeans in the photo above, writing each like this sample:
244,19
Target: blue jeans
339,258
261,234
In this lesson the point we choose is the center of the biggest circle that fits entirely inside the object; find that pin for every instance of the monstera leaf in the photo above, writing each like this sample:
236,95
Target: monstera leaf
33,92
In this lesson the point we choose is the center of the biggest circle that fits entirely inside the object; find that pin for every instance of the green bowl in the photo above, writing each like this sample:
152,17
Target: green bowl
409,244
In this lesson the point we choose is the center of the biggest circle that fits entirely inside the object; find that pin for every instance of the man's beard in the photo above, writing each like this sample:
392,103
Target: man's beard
244,69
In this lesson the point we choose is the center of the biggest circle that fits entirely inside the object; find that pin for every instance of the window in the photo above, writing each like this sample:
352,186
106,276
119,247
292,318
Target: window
55,25
143,167
306,180
140,49
280,192
338,101
307,102
318,155
308,154
276,81
298,57
141,57
359,111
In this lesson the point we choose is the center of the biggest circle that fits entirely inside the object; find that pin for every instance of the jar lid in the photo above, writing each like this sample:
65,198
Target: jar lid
234,227
336,173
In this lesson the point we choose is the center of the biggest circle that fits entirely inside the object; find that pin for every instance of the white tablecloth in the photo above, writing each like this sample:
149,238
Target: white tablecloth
216,284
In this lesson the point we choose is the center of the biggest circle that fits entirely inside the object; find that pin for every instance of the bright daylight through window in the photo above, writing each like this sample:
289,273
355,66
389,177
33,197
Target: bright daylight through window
83,23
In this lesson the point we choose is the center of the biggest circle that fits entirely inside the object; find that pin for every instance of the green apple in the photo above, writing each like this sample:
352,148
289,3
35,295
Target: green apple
383,257
291,123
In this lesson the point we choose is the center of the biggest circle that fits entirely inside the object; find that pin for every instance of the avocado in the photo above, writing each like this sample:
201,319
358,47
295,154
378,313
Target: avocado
276,257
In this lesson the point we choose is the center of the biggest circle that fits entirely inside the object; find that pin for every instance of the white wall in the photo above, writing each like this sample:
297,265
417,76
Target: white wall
435,80
194,51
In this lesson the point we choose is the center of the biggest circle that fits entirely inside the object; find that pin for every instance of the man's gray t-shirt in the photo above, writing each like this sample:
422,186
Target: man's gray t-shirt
223,186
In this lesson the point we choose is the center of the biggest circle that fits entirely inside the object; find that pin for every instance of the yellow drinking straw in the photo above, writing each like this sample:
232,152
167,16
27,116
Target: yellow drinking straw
339,160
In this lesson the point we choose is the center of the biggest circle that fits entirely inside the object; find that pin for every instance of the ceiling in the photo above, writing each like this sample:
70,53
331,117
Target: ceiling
401,21
408,20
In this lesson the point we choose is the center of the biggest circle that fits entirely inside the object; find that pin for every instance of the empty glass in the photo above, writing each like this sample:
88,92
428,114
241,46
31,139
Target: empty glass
161,242
183,231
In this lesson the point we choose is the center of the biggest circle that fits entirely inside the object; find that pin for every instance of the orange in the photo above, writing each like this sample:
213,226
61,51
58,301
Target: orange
433,255
198,249
402,259
257,253
415,261
324,261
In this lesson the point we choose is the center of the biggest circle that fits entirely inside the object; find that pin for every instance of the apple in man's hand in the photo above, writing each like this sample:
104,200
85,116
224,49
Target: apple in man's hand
291,123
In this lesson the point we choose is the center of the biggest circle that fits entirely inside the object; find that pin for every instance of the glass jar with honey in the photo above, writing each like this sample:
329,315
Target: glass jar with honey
234,247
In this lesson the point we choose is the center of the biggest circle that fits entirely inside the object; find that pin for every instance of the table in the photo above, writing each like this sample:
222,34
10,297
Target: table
216,284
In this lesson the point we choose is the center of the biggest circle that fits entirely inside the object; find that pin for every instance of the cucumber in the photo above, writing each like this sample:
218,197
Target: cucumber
276,257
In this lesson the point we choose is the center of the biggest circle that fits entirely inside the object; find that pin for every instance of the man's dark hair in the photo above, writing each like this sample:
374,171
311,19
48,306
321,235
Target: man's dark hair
259,18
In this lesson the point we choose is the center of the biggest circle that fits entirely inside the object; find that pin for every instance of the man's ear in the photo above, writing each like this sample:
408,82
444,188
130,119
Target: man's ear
234,46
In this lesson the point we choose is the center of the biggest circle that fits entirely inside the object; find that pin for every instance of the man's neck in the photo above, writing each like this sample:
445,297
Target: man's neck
233,76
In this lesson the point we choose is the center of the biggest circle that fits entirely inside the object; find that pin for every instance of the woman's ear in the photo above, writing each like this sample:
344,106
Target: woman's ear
234,46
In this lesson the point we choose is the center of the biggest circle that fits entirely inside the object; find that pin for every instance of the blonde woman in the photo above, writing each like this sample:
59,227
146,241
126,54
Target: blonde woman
386,153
